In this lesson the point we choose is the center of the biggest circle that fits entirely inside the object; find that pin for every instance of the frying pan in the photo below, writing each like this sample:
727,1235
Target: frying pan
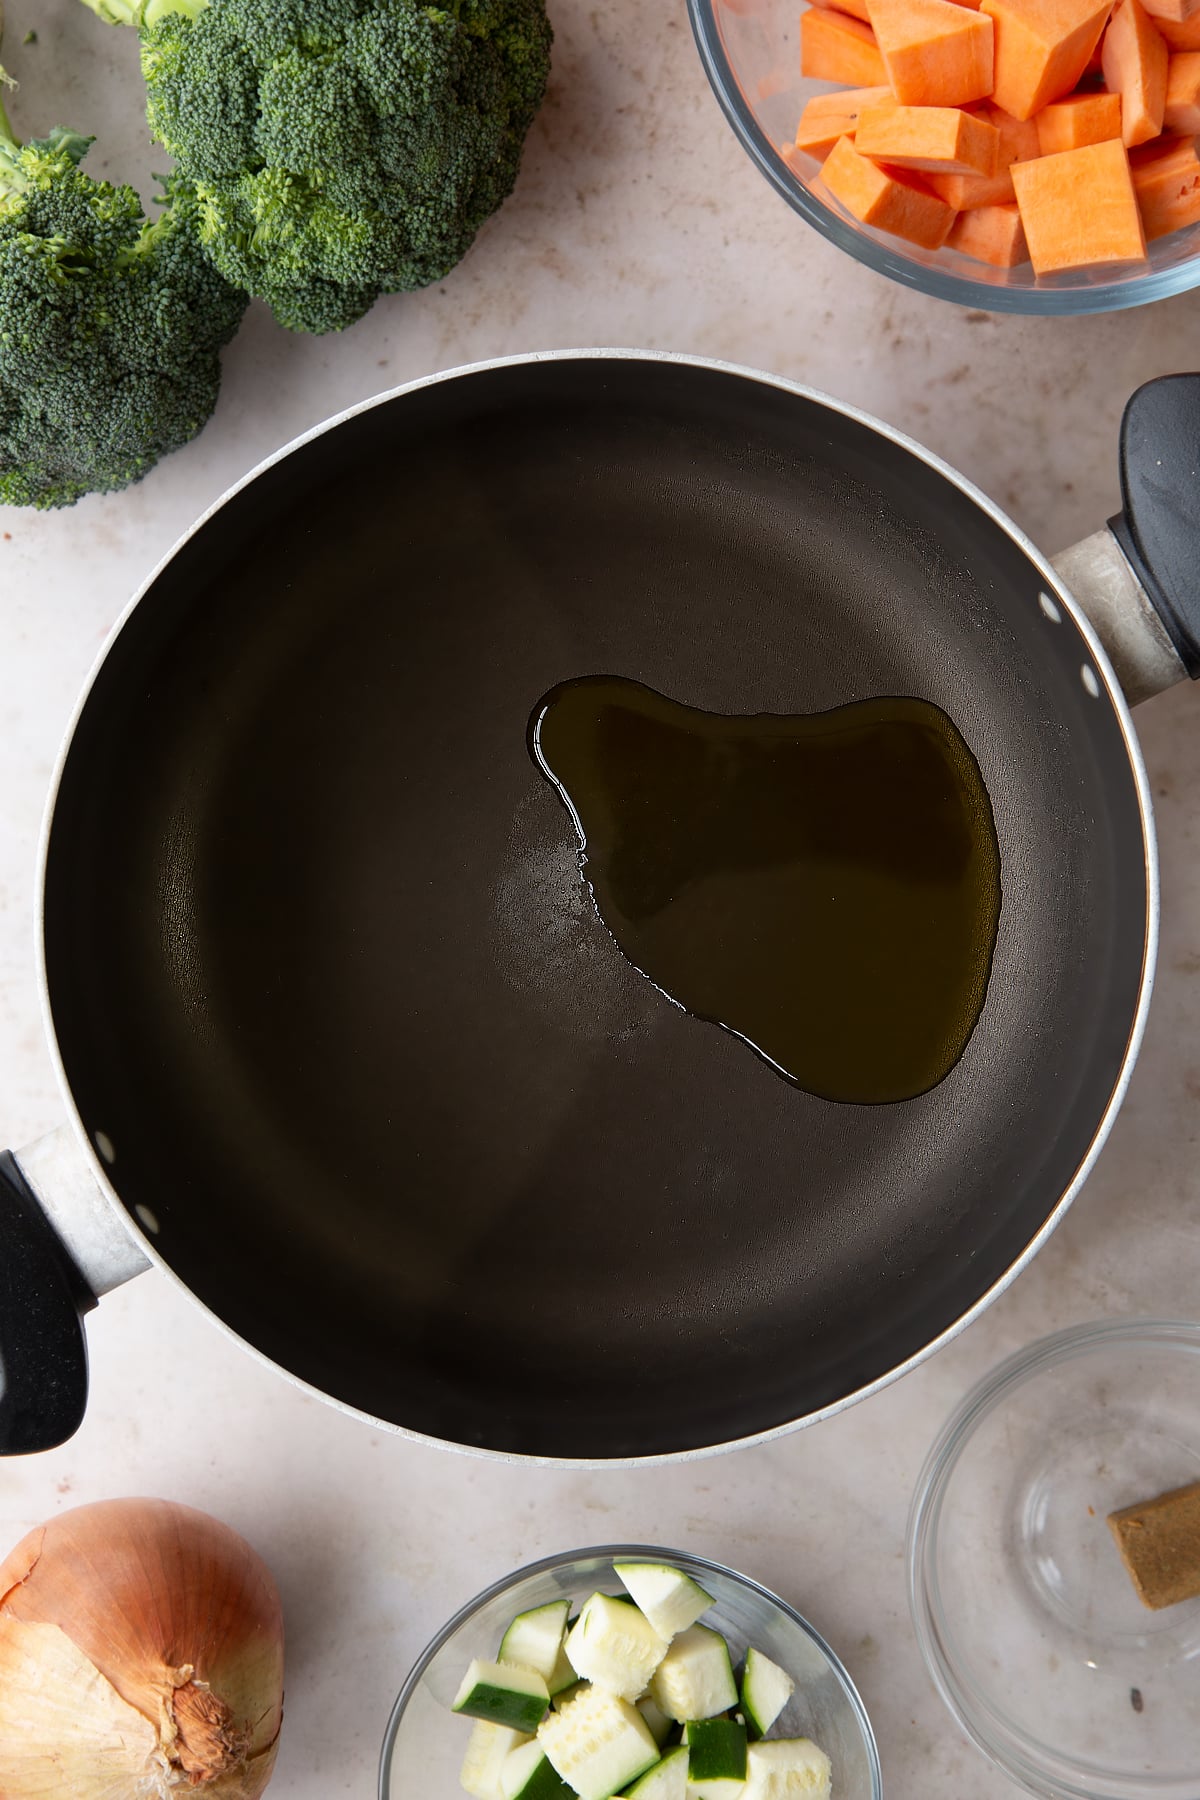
346,1050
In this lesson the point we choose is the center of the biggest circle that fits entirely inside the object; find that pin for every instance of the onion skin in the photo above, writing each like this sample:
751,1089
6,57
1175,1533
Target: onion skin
141,1653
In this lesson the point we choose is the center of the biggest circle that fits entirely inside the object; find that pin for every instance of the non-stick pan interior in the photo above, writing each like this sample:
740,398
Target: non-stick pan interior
324,974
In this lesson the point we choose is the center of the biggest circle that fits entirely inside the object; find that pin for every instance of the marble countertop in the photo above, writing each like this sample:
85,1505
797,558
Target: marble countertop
638,221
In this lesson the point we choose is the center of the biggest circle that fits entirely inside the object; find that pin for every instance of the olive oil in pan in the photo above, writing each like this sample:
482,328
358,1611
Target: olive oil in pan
825,886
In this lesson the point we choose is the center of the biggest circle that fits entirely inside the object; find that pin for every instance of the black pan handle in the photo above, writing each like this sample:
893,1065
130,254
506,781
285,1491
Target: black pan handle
43,1351
1159,528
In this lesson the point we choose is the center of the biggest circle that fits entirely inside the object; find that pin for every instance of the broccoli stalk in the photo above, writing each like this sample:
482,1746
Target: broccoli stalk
340,149
143,13
110,327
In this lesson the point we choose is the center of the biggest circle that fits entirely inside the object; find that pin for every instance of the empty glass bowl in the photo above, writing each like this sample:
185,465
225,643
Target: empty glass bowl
1024,1611
751,52
424,1744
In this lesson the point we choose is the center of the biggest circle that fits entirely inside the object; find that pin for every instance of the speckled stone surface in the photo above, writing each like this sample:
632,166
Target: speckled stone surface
638,221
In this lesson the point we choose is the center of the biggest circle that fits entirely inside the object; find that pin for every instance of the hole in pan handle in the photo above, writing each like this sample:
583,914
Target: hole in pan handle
1159,528
43,1351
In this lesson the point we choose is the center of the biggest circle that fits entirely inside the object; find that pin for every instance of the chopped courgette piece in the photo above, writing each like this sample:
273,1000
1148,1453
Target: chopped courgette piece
487,1749
670,1599
660,1726
534,1639
766,1690
614,1645
597,1743
502,1694
787,1769
716,1758
694,1680
528,1774
667,1780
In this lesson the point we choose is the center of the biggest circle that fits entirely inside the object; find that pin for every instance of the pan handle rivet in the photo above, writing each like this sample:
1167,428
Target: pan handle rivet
148,1219
1088,676
104,1145
1049,608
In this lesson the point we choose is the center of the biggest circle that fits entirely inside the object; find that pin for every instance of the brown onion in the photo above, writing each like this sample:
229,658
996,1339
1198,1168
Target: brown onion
141,1653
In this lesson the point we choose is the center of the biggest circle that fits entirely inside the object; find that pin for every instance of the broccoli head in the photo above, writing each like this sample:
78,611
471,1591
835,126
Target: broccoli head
110,326
340,149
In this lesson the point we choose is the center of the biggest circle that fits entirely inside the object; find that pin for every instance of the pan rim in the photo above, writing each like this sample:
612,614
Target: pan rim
1110,689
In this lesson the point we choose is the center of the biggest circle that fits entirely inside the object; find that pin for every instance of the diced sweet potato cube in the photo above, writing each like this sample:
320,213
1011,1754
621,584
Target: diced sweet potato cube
1079,119
1176,10
1166,180
856,8
1180,34
1079,208
1135,66
942,139
827,117
835,47
1018,143
935,53
1182,110
893,200
1042,49
991,234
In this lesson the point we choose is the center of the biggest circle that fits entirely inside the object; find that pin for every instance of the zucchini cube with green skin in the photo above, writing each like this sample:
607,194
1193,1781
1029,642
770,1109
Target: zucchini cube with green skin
614,1645
766,1690
660,1726
716,1758
667,1780
488,1748
528,1774
787,1769
503,1695
565,1695
694,1680
670,1599
562,1676
598,1743
534,1639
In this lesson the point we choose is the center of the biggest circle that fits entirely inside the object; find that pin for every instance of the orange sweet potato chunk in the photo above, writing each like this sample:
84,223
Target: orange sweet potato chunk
1182,110
1018,142
990,234
856,8
828,117
935,53
1042,49
893,200
1166,180
1134,58
937,139
1181,34
834,47
1079,119
1176,10
1079,208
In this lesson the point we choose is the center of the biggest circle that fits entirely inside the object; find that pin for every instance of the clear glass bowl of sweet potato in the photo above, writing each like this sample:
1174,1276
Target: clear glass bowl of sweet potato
1034,156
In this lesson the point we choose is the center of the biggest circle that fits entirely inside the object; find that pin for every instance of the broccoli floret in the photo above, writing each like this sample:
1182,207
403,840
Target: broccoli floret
110,326
340,149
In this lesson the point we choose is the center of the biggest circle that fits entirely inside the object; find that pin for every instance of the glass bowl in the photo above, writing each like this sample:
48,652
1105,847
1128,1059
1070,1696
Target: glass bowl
1024,1612
751,52
424,1743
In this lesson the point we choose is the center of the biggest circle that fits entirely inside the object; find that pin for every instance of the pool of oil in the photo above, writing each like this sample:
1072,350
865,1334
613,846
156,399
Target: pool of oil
825,886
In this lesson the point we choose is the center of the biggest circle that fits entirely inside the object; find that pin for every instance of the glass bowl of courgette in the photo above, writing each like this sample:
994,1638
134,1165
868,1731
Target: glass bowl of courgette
628,1669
